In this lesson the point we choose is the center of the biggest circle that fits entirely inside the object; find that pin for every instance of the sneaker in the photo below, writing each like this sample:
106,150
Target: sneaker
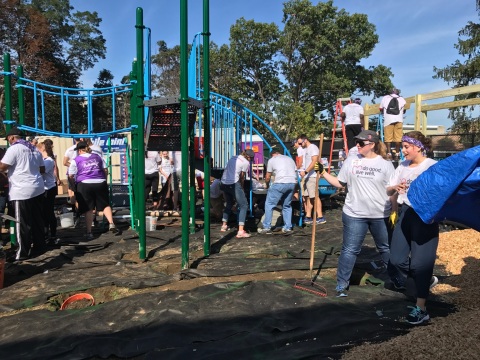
433,282
89,236
417,315
243,234
112,228
308,221
264,231
224,228
342,293
321,220
287,231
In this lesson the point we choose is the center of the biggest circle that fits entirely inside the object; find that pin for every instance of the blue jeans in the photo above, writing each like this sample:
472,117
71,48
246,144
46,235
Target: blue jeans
354,231
234,192
279,193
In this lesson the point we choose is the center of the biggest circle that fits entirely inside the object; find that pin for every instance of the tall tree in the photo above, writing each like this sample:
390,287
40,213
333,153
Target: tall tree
321,50
102,104
253,48
463,73
166,70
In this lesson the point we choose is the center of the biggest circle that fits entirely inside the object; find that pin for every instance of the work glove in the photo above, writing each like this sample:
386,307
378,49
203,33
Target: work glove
319,168
393,219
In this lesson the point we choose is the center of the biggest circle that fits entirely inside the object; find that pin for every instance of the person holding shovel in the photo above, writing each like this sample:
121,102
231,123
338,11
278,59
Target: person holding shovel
367,205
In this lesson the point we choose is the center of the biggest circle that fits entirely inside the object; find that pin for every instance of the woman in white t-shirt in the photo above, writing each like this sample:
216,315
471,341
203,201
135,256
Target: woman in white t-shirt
367,205
414,243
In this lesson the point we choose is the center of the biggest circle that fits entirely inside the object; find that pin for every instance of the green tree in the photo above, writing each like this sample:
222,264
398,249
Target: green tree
253,47
102,104
463,73
321,50
166,70
54,44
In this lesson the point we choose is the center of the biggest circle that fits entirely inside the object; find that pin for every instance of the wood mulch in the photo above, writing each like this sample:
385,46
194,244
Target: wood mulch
456,336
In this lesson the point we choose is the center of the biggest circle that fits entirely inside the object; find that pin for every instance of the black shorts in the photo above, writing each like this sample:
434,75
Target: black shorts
92,196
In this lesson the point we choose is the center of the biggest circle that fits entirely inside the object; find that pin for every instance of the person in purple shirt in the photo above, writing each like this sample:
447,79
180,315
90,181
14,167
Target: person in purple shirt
92,190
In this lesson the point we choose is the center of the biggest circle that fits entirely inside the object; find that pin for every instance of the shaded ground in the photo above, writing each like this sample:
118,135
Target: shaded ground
240,302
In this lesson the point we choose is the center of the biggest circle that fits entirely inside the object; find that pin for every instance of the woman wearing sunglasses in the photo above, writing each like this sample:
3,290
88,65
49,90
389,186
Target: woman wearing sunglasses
367,205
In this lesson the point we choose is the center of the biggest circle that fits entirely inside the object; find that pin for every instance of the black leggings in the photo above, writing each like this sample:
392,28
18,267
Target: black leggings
151,183
49,218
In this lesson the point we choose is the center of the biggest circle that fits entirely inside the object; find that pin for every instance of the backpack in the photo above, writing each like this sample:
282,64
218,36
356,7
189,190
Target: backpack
393,108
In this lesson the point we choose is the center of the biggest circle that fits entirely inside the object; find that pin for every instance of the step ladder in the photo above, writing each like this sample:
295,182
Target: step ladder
338,144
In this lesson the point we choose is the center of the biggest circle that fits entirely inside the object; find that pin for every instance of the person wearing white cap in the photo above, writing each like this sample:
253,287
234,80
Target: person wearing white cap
232,186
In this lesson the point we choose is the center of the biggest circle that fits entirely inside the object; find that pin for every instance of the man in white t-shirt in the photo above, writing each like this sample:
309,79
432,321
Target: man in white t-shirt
25,167
283,168
352,116
393,123
310,157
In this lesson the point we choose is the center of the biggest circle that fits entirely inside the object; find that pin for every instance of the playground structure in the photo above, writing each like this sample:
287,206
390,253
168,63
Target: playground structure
221,126
220,120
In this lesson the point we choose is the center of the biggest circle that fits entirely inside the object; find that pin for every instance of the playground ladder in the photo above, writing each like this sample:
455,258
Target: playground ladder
338,111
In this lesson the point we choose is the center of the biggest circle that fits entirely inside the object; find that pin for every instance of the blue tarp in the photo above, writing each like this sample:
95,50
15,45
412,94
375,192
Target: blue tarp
450,190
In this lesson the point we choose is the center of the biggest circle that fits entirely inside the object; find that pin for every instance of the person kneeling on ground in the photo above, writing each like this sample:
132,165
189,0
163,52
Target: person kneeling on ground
92,189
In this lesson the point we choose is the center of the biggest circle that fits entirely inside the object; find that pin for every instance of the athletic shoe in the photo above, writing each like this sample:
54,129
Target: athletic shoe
243,234
308,221
321,220
112,228
224,228
342,293
89,236
417,315
264,231
287,231
433,282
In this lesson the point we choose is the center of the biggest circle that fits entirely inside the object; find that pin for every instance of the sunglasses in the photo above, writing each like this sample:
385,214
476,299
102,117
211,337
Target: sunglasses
362,143
300,142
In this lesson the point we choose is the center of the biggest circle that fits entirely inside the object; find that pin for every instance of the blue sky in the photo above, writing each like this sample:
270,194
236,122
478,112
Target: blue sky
414,35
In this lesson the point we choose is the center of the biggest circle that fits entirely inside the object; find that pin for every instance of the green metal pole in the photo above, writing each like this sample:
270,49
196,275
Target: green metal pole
184,122
207,123
21,96
138,140
9,116
133,116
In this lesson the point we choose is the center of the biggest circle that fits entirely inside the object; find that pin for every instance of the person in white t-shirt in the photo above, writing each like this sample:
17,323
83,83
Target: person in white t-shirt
25,166
176,157
309,176
152,177
367,205
70,155
283,168
233,179
393,124
352,116
414,243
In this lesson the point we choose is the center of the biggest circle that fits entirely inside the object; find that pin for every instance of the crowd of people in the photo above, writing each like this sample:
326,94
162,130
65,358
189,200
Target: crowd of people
375,191
29,181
